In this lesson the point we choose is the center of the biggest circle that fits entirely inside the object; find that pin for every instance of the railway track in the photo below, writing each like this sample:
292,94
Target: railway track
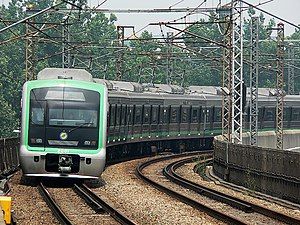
170,172
99,206
196,204
239,205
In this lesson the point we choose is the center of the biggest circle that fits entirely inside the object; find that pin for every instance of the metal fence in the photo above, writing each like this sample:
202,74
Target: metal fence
9,159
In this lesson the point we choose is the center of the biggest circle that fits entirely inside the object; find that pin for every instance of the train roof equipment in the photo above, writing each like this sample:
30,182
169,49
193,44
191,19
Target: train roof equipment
65,73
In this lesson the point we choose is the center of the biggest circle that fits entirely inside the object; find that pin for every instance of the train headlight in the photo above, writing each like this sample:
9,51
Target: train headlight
36,140
87,143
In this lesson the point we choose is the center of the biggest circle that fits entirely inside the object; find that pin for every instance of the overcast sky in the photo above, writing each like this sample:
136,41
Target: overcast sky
287,9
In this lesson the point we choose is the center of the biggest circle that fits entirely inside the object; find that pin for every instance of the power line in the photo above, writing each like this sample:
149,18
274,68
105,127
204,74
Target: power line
270,14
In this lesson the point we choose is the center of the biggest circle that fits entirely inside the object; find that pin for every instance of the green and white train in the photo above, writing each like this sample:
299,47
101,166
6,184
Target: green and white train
64,116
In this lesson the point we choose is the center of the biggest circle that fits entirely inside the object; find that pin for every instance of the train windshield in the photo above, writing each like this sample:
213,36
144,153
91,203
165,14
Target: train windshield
58,110
66,107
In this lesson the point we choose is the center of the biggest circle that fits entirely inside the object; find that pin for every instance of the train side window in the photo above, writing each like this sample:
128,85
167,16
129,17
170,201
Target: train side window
270,115
174,115
296,114
123,115
112,115
260,113
218,114
118,115
164,118
129,115
286,113
195,115
138,115
184,115
154,115
146,118
207,115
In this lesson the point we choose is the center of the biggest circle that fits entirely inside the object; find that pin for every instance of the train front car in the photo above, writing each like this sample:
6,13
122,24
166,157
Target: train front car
64,116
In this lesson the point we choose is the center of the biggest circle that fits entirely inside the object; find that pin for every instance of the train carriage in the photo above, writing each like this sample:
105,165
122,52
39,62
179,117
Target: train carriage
64,115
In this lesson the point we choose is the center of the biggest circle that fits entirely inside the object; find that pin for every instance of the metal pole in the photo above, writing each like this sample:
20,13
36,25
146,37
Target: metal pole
226,79
291,69
29,53
254,81
280,82
169,56
119,64
237,73
66,60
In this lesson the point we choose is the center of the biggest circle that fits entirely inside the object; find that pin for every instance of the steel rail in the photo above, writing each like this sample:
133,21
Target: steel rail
196,204
99,204
58,213
170,172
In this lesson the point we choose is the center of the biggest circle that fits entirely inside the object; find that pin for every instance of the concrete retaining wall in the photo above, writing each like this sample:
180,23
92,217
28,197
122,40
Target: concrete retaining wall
265,169
267,139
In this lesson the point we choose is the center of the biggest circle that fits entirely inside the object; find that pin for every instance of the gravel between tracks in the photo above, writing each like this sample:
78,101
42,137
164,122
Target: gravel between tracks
154,171
77,210
145,204
140,202
186,171
28,205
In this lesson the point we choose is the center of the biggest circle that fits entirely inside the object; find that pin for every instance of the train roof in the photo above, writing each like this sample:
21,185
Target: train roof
64,73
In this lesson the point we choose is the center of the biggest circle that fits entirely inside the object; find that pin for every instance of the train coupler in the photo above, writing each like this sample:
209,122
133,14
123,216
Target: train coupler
65,163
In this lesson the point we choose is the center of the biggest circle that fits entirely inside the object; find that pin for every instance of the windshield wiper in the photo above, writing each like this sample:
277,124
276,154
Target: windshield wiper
81,125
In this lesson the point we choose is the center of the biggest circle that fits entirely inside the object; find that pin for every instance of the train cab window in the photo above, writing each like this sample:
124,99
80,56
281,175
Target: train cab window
146,117
37,116
138,115
174,115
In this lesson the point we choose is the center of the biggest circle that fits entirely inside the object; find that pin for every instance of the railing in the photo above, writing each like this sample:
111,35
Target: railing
271,171
9,160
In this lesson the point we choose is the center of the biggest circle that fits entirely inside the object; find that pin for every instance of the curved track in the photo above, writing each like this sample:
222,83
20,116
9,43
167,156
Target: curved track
94,201
196,204
170,172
